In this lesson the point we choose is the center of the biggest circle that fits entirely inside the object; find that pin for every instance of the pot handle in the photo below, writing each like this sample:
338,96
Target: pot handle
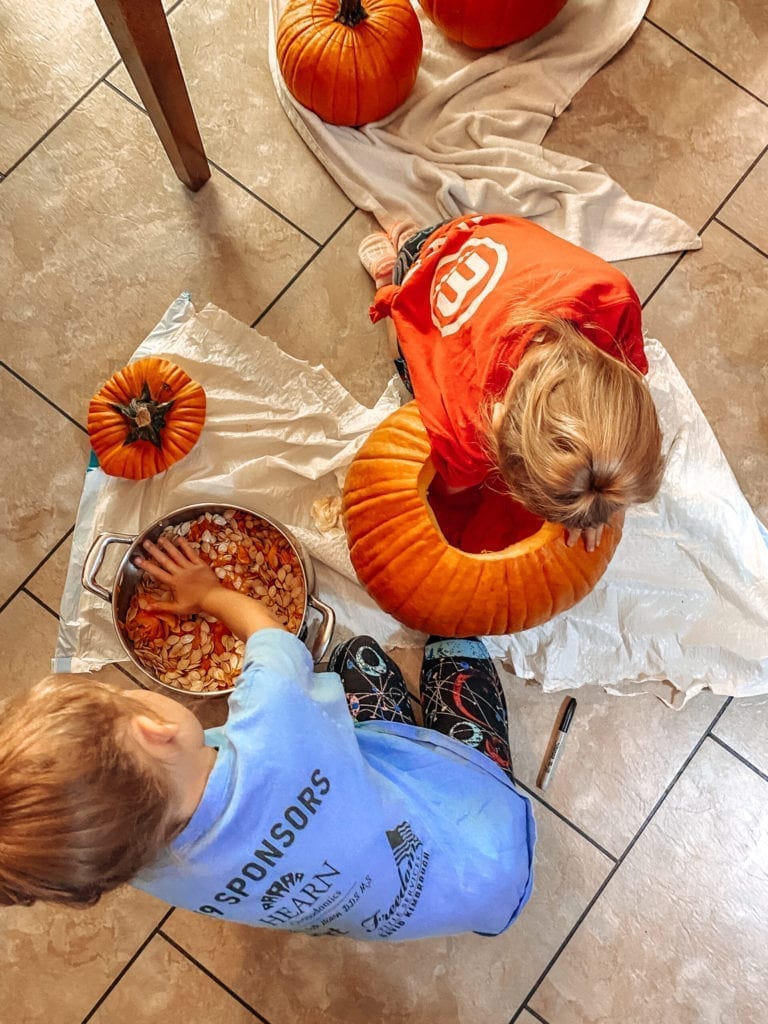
325,631
96,557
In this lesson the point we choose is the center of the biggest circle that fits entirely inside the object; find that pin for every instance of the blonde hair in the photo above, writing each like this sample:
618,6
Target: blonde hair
579,437
80,813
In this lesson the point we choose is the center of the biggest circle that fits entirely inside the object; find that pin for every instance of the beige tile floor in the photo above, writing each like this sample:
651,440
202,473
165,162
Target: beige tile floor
651,903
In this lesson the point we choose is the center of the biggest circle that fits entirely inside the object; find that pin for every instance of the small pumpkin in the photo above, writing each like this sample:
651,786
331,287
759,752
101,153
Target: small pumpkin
145,418
403,560
350,61
491,23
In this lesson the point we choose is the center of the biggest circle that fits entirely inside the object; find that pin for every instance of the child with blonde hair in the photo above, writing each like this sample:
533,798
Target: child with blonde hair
525,355
320,807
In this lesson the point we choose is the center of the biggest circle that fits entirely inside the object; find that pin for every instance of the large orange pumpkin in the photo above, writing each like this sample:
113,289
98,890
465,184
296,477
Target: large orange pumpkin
145,418
402,558
483,24
350,61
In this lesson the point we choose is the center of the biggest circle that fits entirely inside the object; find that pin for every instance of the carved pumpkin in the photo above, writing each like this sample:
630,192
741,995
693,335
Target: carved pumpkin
483,24
145,418
402,559
350,61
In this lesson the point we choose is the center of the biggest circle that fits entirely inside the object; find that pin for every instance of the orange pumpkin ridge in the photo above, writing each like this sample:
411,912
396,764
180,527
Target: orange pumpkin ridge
492,23
405,563
145,418
558,576
349,61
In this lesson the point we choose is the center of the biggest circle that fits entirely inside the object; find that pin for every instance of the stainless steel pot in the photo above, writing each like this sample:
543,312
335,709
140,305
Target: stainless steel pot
127,576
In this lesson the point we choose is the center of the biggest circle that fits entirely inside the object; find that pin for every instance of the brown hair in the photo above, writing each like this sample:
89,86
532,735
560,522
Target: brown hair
79,812
580,437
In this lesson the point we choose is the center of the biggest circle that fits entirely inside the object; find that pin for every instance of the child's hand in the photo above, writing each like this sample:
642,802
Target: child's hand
593,535
196,588
180,568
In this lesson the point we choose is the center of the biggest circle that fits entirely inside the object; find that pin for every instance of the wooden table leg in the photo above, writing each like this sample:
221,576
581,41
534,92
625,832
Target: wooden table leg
141,34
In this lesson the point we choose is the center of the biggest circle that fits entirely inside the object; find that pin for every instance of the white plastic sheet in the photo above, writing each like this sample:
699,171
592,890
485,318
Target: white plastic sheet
683,605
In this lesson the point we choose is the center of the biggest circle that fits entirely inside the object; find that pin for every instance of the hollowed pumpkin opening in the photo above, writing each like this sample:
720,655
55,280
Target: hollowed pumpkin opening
479,519
479,565
482,518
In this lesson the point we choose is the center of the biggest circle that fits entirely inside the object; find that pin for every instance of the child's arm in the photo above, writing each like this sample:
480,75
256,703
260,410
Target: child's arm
196,588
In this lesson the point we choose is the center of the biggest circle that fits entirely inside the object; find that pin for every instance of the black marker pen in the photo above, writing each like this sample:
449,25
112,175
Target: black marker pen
562,731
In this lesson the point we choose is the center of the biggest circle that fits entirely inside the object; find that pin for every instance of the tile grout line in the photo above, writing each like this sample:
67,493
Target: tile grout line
665,277
68,111
26,383
321,248
177,4
614,870
705,60
258,198
559,814
39,601
175,945
126,967
120,666
22,586
536,1015
707,222
59,120
741,238
227,174
739,757
729,195
157,930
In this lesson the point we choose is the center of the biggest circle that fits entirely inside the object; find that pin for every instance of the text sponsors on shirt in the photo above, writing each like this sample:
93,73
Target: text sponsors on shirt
282,835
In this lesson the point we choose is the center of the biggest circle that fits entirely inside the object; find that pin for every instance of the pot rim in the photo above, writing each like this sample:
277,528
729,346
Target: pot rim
186,513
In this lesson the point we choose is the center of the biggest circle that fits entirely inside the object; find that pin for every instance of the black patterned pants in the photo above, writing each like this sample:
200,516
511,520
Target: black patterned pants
461,693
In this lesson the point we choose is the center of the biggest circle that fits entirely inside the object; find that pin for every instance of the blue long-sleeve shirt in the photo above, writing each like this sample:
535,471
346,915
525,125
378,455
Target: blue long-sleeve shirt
310,822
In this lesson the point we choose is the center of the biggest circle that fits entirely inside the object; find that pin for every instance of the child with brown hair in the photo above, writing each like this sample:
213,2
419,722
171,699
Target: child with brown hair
525,355
319,807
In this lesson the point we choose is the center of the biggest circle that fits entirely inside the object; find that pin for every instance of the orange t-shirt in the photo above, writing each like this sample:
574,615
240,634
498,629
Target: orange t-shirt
450,314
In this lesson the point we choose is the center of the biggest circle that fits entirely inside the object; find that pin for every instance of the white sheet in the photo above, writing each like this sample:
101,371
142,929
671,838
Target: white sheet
468,138
684,599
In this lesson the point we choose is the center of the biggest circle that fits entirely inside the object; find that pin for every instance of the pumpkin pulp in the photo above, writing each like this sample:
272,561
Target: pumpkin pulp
145,415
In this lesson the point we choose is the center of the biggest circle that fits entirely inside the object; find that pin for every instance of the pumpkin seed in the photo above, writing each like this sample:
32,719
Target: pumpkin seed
246,553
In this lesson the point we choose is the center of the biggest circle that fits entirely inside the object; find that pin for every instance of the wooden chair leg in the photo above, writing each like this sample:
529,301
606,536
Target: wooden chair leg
142,36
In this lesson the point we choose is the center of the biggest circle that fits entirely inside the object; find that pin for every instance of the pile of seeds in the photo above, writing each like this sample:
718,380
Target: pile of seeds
197,652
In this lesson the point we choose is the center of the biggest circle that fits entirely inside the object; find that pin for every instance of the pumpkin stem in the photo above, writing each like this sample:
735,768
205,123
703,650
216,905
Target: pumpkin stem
350,13
146,417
